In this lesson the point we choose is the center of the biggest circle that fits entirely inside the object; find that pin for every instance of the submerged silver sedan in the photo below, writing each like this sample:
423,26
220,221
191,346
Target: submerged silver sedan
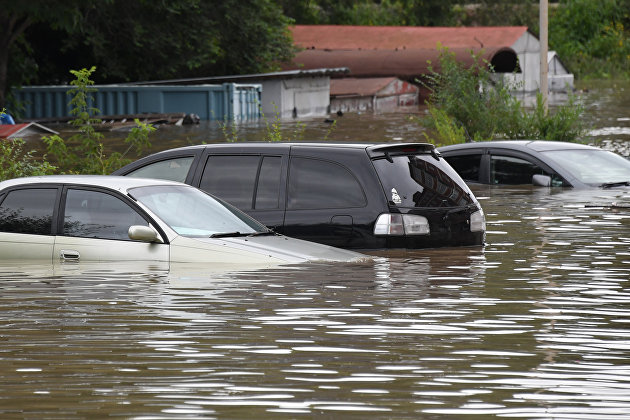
111,218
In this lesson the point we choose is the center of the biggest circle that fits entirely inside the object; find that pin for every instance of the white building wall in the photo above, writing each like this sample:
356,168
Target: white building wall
296,97
271,97
527,48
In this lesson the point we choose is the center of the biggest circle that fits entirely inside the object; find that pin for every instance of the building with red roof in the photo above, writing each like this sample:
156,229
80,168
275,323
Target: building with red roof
406,51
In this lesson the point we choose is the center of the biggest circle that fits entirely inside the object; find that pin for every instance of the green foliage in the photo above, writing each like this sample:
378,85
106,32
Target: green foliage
229,130
86,154
15,162
131,40
275,129
497,13
563,123
445,130
592,37
472,103
467,95
370,12
18,17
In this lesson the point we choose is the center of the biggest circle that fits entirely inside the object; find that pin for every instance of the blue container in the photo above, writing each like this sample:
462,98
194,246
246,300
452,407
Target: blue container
229,101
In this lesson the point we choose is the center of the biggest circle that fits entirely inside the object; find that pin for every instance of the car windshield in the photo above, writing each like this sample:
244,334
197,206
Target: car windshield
596,167
421,181
191,212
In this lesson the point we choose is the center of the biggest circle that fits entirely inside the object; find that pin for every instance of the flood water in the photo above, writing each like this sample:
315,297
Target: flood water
534,325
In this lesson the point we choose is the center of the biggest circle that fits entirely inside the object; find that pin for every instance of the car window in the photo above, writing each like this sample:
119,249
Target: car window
28,211
268,189
320,184
171,169
231,178
94,214
510,170
467,166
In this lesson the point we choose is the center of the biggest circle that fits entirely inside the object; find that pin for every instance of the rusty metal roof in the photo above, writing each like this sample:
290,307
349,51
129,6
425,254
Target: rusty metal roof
347,37
369,86
401,51
402,63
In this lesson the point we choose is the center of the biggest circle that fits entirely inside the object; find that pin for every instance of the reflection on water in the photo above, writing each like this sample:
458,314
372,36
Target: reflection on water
536,324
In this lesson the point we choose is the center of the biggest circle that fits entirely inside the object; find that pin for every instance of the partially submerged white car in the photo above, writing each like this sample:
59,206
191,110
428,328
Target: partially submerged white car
111,218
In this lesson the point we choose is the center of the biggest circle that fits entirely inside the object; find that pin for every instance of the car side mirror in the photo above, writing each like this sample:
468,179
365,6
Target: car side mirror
144,234
541,180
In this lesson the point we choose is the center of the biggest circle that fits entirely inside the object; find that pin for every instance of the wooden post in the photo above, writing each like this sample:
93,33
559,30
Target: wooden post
544,48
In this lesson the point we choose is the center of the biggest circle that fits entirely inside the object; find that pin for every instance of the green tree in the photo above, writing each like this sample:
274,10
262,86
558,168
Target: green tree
16,17
498,13
592,37
135,40
370,12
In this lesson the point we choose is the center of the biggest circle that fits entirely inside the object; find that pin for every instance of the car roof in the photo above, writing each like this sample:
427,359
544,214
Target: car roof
522,145
120,183
287,145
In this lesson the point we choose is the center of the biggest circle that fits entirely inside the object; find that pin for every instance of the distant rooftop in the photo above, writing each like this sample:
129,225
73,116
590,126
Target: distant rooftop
343,37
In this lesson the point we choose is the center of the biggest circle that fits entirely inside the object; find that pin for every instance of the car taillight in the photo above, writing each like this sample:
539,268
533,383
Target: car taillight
477,221
401,224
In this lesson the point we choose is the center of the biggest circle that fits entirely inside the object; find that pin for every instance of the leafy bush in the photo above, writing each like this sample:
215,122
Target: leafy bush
446,130
86,154
472,101
16,163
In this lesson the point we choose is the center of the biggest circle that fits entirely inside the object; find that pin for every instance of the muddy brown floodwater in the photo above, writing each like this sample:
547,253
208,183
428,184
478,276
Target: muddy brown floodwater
534,325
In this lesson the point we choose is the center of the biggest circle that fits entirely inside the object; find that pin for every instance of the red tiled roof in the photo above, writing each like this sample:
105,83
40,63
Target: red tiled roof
341,37
10,131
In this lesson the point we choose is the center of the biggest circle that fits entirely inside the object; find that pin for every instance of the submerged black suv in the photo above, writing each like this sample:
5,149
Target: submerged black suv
362,196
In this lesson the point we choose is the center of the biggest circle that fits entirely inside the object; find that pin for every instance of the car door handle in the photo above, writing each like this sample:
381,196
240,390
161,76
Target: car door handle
68,254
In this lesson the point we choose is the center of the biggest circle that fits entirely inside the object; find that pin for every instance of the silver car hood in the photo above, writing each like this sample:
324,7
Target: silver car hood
290,249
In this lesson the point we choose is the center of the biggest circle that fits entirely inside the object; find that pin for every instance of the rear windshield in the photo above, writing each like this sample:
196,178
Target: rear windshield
421,181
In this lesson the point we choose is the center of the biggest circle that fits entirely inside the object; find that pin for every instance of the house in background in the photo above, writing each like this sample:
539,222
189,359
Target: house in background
560,80
384,94
405,51
294,93
21,130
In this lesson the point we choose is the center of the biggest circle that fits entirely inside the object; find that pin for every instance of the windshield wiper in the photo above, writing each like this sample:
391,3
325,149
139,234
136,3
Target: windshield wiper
228,234
238,234
615,184
264,233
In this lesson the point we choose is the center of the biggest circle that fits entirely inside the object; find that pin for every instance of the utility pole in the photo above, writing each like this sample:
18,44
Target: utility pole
544,48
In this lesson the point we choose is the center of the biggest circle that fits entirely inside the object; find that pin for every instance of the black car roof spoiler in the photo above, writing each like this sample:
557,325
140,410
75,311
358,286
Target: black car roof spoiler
396,149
